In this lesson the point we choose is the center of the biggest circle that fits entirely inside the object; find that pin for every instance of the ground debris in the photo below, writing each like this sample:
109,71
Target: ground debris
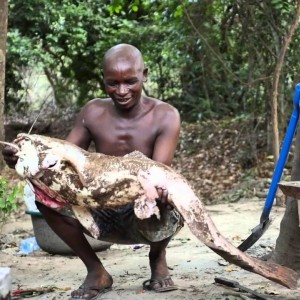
224,162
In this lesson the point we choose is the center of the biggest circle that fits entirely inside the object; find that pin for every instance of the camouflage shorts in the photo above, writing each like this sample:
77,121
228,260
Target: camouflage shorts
123,227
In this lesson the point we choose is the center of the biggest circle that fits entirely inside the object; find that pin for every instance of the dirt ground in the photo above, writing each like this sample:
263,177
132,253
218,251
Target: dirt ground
193,266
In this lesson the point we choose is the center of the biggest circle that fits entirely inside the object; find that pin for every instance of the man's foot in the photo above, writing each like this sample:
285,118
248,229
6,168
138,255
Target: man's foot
160,285
95,284
88,293
160,280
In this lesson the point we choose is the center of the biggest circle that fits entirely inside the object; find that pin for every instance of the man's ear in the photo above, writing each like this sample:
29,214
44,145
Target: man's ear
145,74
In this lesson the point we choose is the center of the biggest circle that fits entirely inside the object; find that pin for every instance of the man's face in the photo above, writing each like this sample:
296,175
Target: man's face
123,81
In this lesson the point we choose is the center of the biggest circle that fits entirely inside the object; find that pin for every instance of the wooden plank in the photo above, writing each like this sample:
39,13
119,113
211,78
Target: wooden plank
290,188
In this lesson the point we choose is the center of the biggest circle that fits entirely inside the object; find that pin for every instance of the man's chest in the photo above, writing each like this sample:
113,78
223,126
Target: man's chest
122,138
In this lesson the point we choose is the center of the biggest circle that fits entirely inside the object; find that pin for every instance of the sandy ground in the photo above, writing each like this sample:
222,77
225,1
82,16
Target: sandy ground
193,266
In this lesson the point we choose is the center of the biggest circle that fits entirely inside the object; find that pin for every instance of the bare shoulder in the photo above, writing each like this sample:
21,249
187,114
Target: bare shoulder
97,105
164,111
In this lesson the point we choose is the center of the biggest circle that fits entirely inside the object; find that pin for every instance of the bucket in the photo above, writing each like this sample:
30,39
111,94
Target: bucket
50,242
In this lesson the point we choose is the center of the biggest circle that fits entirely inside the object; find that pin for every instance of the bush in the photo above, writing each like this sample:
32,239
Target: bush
8,198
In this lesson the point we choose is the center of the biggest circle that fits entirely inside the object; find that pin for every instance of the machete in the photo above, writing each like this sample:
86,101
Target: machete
235,284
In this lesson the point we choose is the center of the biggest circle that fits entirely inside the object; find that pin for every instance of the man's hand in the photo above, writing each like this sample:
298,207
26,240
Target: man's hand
9,156
163,201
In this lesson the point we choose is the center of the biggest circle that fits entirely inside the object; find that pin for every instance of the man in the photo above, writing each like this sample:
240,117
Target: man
125,122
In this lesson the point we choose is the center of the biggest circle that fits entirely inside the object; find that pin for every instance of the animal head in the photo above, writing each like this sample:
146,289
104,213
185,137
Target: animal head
28,159
37,154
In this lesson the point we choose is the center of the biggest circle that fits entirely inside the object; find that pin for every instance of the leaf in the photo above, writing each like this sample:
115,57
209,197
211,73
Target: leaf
231,268
135,8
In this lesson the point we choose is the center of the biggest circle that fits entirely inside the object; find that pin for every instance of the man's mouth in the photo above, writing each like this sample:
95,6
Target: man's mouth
123,100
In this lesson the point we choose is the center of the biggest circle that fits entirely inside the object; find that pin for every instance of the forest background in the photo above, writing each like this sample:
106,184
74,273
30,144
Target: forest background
225,65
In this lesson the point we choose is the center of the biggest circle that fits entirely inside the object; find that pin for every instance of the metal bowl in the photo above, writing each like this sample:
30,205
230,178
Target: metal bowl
50,242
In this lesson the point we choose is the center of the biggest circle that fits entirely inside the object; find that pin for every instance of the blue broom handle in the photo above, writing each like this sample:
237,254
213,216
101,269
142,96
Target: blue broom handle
283,156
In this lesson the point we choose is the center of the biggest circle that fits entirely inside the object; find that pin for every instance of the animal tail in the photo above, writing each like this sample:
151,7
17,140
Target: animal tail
202,226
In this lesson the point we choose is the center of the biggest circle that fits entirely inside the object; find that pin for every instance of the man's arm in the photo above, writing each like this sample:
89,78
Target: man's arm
80,135
167,138
165,146
9,156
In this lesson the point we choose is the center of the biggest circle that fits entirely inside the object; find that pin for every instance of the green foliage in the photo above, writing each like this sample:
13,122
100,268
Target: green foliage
8,198
67,39
208,58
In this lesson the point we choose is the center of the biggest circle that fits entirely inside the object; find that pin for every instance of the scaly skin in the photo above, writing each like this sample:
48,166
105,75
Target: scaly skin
78,179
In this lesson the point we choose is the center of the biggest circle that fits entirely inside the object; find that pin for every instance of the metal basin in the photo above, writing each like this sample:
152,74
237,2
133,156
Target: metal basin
48,240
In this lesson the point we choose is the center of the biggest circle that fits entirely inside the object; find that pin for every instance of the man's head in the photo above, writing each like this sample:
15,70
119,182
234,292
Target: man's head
124,73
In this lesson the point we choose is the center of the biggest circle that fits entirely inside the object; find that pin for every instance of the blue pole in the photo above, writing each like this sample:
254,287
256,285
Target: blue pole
283,156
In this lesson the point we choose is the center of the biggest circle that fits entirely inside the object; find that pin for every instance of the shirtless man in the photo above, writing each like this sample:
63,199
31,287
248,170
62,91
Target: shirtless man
125,122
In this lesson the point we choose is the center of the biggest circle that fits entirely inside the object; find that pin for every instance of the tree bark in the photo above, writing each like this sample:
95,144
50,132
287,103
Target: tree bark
3,33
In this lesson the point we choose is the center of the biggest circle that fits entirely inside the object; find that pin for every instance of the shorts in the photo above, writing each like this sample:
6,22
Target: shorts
123,227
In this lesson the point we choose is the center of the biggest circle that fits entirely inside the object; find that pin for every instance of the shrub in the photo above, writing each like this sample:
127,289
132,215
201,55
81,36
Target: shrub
8,198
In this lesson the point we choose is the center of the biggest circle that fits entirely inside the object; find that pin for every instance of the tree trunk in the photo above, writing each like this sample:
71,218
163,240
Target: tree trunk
274,102
287,249
3,32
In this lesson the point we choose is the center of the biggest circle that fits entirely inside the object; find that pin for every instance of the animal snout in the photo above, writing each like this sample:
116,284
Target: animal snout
49,161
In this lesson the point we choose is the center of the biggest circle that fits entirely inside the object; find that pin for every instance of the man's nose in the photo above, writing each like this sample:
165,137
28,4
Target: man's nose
123,89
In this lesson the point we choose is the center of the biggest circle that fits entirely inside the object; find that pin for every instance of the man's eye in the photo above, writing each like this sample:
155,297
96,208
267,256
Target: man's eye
132,82
111,83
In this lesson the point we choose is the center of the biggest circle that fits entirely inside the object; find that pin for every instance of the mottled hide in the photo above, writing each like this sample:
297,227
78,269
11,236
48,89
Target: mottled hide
78,179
